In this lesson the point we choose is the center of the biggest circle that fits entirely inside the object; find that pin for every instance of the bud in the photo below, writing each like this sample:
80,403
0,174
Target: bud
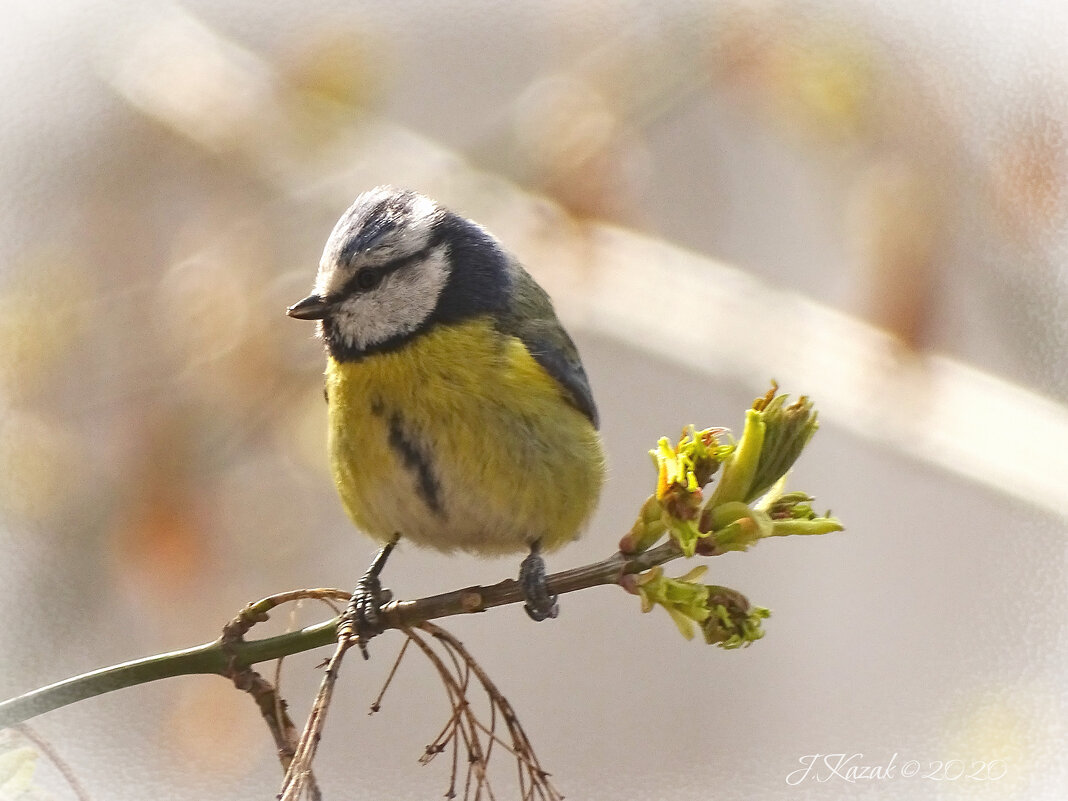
647,529
732,622
682,598
787,430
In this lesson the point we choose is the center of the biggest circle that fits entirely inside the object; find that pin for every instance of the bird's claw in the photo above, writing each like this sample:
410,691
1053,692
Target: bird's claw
540,604
363,617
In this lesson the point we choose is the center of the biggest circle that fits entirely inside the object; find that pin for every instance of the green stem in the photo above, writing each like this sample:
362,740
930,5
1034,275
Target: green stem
205,658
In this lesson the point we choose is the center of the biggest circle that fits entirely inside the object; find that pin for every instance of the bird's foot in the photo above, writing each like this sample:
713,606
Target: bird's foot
363,618
539,604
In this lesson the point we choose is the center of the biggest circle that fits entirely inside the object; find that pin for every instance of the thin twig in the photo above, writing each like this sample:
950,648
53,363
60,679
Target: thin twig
44,747
466,723
377,703
298,777
267,696
521,746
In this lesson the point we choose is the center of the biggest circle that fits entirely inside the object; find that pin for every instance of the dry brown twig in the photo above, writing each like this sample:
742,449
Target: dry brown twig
533,780
465,733
407,616
297,755
273,708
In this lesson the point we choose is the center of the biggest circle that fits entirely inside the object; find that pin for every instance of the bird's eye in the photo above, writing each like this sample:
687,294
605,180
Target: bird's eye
368,279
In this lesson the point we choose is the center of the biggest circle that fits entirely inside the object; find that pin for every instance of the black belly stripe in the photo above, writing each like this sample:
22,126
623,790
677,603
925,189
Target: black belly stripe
426,483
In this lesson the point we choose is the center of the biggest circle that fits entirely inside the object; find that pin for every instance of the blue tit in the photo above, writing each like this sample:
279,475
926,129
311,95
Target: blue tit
460,416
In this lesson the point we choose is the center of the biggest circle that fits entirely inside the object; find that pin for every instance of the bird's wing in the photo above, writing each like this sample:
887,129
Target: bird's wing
535,323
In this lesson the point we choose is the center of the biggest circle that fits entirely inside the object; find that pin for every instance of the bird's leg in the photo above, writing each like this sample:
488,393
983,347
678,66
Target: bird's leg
363,616
540,604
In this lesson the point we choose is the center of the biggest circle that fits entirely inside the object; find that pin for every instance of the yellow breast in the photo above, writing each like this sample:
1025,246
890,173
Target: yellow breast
460,439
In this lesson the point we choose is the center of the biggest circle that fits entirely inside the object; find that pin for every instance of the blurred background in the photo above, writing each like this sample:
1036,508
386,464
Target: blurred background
865,201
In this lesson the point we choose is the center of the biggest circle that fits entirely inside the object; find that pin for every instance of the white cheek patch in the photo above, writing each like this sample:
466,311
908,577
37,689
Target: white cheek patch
400,305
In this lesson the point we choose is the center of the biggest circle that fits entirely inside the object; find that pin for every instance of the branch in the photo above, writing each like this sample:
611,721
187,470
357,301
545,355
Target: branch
226,656
746,505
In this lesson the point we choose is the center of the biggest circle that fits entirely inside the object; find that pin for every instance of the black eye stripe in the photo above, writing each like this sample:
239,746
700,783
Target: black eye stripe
370,277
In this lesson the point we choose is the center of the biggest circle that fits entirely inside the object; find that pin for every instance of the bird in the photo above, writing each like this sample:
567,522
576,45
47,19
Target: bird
460,417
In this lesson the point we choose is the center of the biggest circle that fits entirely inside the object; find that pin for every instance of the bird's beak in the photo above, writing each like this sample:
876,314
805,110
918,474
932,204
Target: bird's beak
313,307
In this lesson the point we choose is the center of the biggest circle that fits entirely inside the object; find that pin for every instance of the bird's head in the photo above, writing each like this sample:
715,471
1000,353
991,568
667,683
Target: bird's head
384,269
